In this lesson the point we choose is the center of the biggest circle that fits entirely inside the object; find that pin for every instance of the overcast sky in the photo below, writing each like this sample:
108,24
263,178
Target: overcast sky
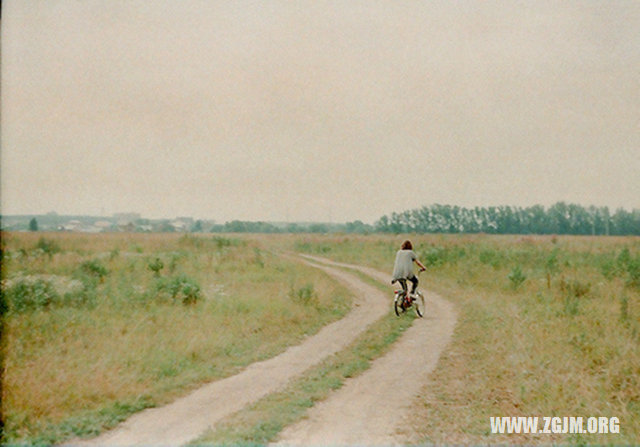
317,110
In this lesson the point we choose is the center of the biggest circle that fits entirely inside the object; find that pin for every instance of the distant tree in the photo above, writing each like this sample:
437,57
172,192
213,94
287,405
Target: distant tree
166,227
294,228
33,224
560,218
318,228
357,227
216,228
197,227
625,222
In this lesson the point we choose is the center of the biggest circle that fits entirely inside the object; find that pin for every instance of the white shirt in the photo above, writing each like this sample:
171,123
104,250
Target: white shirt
403,268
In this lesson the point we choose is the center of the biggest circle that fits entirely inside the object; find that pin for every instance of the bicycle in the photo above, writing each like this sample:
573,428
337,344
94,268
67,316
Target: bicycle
403,301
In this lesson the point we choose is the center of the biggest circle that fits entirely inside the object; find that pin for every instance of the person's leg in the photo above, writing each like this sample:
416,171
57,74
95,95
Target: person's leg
403,283
414,281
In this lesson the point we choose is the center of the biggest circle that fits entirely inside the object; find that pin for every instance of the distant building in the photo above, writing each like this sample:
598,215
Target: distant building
72,225
179,225
103,225
126,218
129,227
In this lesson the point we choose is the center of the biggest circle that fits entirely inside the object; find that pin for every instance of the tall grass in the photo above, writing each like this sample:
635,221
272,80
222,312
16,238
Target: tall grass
262,422
548,326
106,325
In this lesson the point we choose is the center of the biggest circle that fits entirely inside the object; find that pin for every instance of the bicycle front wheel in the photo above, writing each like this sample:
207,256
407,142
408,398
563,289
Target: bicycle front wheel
419,304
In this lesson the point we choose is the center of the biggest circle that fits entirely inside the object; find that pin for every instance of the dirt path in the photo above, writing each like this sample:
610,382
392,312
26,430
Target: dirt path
371,408
187,418
366,411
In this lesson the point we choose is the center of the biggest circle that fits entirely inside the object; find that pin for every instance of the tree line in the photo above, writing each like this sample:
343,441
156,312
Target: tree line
560,218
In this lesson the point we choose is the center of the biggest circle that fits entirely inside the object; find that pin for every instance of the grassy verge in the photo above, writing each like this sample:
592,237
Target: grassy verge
261,422
102,326
547,326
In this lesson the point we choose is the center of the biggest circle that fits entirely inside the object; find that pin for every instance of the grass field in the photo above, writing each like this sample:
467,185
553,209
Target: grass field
101,326
547,326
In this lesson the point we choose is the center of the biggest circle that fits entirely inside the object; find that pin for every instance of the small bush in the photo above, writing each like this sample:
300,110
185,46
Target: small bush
633,272
624,257
433,257
155,266
551,266
438,256
47,246
191,241
516,277
30,295
491,257
575,288
224,242
304,295
180,288
86,296
608,268
95,268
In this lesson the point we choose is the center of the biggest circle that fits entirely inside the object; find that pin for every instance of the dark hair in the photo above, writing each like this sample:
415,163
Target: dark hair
406,245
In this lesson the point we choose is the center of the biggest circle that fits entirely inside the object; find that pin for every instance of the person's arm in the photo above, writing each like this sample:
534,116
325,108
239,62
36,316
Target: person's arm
422,267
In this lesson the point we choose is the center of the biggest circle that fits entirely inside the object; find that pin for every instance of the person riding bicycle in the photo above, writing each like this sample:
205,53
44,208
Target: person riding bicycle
403,268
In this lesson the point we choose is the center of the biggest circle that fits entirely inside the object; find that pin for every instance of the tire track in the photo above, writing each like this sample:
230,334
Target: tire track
371,408
188,417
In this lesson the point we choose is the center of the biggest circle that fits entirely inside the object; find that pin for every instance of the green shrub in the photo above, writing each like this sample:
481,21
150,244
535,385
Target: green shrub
224,242
47,246
624,257
304,295
29,295
191,241
491,257
435,256
574,288
608,267
86,296
633,272
95,268
180,288
551,266
155,266
516,277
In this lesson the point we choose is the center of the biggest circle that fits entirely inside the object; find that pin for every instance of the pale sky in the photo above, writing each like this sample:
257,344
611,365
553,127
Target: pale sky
317,110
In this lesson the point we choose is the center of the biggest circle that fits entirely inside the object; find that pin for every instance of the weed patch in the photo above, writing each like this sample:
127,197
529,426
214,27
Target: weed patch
516,277
261,422
561,340
91,328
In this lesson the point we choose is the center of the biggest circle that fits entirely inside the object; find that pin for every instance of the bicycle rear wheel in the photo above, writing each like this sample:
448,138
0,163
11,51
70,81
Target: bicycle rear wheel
419,304
397,304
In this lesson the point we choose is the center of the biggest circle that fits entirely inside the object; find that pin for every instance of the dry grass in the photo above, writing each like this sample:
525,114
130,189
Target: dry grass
563,341
548,326
76,367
